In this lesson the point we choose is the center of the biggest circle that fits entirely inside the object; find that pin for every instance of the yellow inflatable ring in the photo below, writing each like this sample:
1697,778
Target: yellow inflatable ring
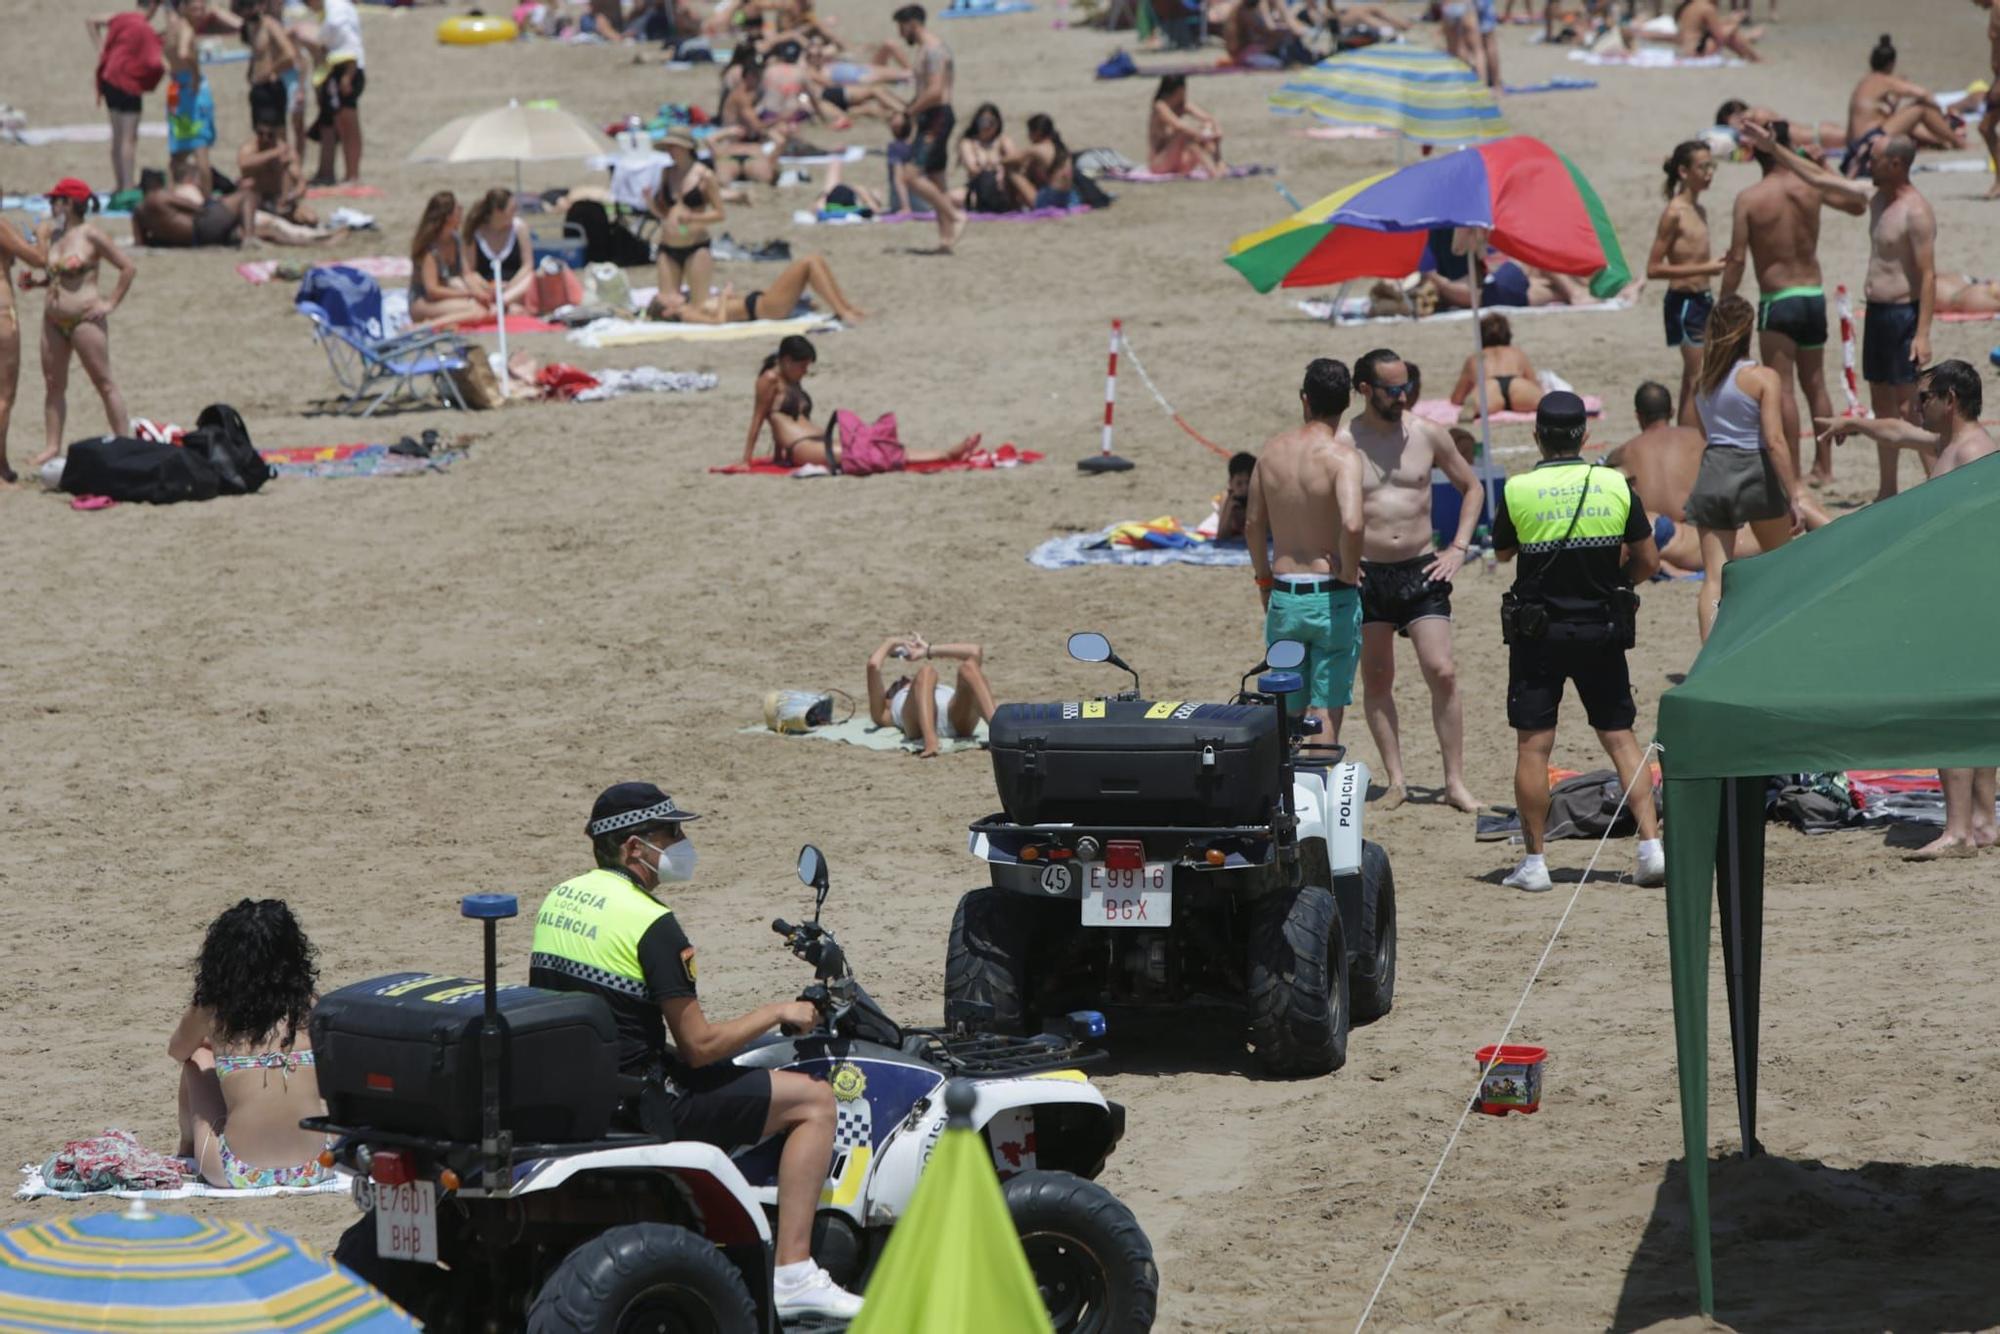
480,31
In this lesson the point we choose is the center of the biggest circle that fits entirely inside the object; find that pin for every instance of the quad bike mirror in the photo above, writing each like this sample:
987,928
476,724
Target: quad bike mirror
1285,654
1090,647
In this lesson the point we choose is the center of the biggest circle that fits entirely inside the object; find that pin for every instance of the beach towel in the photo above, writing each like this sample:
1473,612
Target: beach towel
988,10
1102,548
356,461
858,731
516,324
630,333
35,1186
1126,68
1356,310
345,190
1555,85
844,218
1978,164
644,380
1337,132
1008,455
99,133
259,272
1653,57
1445,412
1140,176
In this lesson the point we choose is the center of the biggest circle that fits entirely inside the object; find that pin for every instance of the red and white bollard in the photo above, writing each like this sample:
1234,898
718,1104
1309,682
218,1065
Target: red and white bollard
1104,460
1848,380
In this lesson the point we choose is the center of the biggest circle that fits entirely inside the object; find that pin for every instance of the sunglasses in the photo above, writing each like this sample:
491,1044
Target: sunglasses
1395,390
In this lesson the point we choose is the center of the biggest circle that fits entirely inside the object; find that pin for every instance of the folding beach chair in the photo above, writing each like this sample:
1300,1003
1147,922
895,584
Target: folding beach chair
345,308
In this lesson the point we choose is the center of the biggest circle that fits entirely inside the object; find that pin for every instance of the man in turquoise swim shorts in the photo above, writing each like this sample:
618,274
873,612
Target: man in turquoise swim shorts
190,100
1303,527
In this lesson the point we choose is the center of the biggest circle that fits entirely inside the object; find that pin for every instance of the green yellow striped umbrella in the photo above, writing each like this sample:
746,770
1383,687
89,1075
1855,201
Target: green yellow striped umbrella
1421,94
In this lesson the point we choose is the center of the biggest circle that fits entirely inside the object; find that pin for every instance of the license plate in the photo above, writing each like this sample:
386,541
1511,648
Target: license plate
1139,897
406,1222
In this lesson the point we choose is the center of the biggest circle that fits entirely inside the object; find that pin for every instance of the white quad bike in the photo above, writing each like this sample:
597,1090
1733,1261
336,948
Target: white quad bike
1155,852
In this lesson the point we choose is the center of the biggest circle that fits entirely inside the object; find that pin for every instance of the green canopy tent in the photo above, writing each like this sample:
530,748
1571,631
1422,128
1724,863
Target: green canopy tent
1850,648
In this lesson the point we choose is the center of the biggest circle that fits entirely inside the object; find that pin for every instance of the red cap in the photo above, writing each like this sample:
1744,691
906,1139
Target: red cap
69,187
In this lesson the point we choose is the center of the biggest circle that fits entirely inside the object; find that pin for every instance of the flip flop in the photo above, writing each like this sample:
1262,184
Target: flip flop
92,503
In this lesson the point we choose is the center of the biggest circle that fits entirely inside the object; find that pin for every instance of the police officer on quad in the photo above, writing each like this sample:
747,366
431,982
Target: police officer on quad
606,934
1583,541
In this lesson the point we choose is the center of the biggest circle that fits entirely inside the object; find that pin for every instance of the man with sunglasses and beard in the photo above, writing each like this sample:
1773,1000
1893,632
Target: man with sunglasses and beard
1406,586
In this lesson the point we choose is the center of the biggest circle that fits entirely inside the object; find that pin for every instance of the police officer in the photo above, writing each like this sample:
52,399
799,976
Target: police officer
606,934
1583,542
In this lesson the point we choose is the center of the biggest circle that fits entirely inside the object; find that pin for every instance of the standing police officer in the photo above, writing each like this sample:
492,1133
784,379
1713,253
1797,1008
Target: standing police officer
604,933
1584,541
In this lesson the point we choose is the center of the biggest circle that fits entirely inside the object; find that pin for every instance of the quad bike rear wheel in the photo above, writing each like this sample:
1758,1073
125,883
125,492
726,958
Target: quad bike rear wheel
1090,1257
640,1278
1298,996
986,963
1373,984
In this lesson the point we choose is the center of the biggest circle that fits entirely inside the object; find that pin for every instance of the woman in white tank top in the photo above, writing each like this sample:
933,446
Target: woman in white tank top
1749,474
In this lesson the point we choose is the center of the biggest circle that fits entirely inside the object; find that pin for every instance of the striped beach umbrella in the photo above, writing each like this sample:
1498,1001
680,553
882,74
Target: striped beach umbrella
1421,94
147,1273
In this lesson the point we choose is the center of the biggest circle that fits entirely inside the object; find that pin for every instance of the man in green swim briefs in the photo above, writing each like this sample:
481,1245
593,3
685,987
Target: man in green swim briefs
1777,222
1303,527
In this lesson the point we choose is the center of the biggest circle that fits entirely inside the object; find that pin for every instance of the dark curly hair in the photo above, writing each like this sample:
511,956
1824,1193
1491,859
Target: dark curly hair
257,972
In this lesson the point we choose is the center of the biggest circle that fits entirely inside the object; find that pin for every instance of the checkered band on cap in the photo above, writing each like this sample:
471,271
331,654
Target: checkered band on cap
664,813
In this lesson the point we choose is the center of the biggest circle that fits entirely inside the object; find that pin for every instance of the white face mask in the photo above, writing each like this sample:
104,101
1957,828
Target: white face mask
676,862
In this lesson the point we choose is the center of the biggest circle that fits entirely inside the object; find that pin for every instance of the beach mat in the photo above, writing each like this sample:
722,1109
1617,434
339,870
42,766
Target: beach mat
987,11
261,271
359,460
1445,413
344,191
809,218
1073,549
34,1187
1555,85
35,136
632,333
1194,70
1140,176
1652,58
516,324
858,731
984,460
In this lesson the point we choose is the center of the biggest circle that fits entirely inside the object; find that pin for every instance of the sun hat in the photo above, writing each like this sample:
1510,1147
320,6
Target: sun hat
677,138
69,187
632,806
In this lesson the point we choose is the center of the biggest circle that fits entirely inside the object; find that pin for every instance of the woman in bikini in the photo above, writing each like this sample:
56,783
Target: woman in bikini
1181,138
13,246
922,707
441,290
1957,294
1511,385
783,404
77,316
1046,164
1883,106
687,203
495,238
246,1063
775,302
984,150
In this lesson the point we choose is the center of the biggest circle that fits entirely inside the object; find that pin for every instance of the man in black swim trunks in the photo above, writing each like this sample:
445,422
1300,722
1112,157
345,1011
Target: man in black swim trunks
923,176
1405,585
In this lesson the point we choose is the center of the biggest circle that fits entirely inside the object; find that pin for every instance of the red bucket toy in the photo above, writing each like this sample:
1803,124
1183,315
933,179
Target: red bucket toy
1514,1084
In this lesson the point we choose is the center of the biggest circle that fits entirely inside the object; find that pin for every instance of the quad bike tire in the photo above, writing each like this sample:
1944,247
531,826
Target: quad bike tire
644,1277
986,963
1091,1259
422,1290
1298,996
1372,986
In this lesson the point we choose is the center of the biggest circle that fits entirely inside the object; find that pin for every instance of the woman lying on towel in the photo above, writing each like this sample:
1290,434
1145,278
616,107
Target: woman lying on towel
1963,294
775,302
1511,385
782,403
246,1063
922,705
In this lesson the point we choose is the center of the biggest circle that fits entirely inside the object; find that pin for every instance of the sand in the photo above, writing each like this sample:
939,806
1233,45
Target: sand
371,697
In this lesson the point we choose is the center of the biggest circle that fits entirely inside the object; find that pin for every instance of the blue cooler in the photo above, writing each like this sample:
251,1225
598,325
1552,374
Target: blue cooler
1444,500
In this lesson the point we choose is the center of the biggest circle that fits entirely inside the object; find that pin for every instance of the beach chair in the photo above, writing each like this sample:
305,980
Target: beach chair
344,306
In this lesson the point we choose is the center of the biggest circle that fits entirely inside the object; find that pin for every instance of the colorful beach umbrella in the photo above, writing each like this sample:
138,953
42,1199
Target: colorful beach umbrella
954,1264
145,1273
1531,200
1420,94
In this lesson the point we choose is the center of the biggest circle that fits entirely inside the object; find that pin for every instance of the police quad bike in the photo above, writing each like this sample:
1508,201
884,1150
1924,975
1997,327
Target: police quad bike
1153,853
1048,1128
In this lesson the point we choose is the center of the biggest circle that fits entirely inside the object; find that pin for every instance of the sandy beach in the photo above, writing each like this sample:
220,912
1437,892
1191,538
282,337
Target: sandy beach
370,697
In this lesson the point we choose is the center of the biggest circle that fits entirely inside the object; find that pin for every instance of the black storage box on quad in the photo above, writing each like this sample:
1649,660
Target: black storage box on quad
1135,762
401,1053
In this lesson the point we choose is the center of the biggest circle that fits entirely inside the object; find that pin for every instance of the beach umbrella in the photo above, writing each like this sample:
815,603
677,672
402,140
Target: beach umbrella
1423,95
954,1263
142,1271
1517,194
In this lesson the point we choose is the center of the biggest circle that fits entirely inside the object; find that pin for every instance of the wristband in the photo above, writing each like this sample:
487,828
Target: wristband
1459,547
1266,583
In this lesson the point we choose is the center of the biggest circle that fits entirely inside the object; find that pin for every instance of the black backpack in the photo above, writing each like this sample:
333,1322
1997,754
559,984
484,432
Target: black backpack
138,470
220,437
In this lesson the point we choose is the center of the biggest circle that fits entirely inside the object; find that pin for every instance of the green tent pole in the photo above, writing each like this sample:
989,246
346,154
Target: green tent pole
1695,807
1739,874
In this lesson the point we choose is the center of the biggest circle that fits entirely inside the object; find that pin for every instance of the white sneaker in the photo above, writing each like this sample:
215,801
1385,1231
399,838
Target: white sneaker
819,1295
1652,872
1529,878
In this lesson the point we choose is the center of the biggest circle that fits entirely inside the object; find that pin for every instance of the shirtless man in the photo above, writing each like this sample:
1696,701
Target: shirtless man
923,176
1661,463
1949,438
1406,586
270,173
190,99
1902,265
182,216
1682,258
1776,222
276,67
1304,532
1989,121
1704,32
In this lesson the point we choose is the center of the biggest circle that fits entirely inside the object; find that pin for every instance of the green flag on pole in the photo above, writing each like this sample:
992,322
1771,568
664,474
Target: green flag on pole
954,1264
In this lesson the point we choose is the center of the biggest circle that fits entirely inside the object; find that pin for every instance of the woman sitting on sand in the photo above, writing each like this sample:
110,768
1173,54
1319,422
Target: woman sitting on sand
1511,385
76,320
246,1063
1883,106
497,242
922,706
442,291
687,202
984,151
782,402
775,302
1181,138
13,246
1046,164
